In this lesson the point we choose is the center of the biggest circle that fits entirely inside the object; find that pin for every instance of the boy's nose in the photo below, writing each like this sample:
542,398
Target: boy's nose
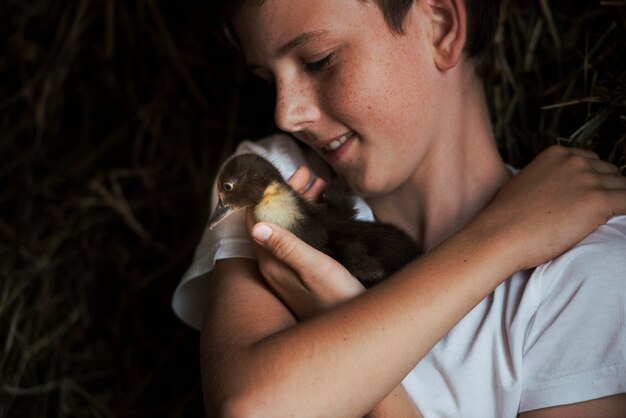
296,106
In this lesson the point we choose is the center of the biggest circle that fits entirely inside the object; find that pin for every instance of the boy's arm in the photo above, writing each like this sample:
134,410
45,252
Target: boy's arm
242,311
258,361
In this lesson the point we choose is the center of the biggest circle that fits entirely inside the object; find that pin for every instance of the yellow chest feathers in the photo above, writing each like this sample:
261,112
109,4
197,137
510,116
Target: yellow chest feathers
278,206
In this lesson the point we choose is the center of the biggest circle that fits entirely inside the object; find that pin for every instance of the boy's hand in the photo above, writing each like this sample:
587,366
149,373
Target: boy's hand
553,203
307,280
299,181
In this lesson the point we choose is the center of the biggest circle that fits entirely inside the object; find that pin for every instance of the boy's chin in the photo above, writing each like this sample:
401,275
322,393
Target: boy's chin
365,187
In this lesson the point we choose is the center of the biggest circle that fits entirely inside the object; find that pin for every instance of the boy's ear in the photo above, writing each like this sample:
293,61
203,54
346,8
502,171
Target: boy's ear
449,22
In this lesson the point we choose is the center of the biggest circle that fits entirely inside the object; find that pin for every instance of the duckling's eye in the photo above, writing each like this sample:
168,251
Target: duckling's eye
228,187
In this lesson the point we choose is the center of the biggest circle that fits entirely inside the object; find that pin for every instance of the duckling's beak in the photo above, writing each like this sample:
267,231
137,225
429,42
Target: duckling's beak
220,213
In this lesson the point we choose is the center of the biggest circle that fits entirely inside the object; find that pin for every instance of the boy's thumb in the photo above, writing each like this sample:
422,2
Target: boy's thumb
261,232
285,246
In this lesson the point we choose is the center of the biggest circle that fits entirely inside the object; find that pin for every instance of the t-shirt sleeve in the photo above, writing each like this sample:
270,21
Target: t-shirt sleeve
575,345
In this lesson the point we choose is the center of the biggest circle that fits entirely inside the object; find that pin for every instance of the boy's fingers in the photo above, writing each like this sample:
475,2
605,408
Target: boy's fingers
604,167
582,152
613,181
286,247
299,179
314,193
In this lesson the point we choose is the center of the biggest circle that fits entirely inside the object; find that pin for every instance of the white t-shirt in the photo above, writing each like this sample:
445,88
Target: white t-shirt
551,336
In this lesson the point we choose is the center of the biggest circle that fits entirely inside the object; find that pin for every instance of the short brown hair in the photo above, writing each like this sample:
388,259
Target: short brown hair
482,19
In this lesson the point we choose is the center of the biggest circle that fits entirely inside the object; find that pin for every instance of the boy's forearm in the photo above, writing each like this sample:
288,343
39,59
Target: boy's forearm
346,360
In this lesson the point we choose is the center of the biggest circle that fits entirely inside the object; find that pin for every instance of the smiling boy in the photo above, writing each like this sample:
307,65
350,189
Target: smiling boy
394,104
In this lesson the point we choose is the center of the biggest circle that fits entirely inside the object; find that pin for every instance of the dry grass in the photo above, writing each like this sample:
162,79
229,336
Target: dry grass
113,116
559,77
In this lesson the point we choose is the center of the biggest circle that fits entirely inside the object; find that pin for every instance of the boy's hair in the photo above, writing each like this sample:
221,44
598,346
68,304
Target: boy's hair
482,20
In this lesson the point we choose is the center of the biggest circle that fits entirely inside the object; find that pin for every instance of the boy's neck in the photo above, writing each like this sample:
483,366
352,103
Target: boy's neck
460,175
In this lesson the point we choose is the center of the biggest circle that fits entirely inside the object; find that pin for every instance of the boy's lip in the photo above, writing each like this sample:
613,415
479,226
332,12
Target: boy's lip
332,149
333,144
340,145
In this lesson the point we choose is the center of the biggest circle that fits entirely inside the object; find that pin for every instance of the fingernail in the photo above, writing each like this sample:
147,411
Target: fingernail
261,232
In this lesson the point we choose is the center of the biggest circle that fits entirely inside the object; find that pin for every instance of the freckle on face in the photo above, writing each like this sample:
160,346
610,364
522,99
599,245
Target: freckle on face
378,90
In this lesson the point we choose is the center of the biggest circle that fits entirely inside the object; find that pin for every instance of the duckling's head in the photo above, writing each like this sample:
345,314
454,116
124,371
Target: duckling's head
242,183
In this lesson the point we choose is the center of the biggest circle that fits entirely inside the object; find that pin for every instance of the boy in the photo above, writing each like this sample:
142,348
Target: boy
387,93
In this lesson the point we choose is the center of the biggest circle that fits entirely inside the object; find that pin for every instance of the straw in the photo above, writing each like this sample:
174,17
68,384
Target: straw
114,117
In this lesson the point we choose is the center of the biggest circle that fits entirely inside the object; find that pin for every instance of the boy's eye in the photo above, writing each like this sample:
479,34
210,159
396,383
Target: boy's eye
319,65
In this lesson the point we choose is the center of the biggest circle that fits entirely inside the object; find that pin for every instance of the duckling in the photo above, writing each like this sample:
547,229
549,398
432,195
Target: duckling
370,251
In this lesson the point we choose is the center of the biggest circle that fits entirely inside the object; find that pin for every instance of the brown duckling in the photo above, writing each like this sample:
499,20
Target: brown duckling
370,251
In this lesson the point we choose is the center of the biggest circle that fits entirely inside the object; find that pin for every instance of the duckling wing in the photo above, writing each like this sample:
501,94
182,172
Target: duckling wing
313,233
347,245
372,251
339,199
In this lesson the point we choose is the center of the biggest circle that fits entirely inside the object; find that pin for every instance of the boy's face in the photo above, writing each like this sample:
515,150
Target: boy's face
364,98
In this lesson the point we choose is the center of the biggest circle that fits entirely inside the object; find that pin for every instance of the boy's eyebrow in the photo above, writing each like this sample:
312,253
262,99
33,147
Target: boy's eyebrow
289,46
301,39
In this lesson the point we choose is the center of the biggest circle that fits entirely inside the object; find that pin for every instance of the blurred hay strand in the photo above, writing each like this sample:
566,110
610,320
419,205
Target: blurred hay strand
559,78
113,119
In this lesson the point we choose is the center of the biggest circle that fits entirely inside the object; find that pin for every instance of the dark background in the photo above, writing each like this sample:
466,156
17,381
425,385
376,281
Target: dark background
114,116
